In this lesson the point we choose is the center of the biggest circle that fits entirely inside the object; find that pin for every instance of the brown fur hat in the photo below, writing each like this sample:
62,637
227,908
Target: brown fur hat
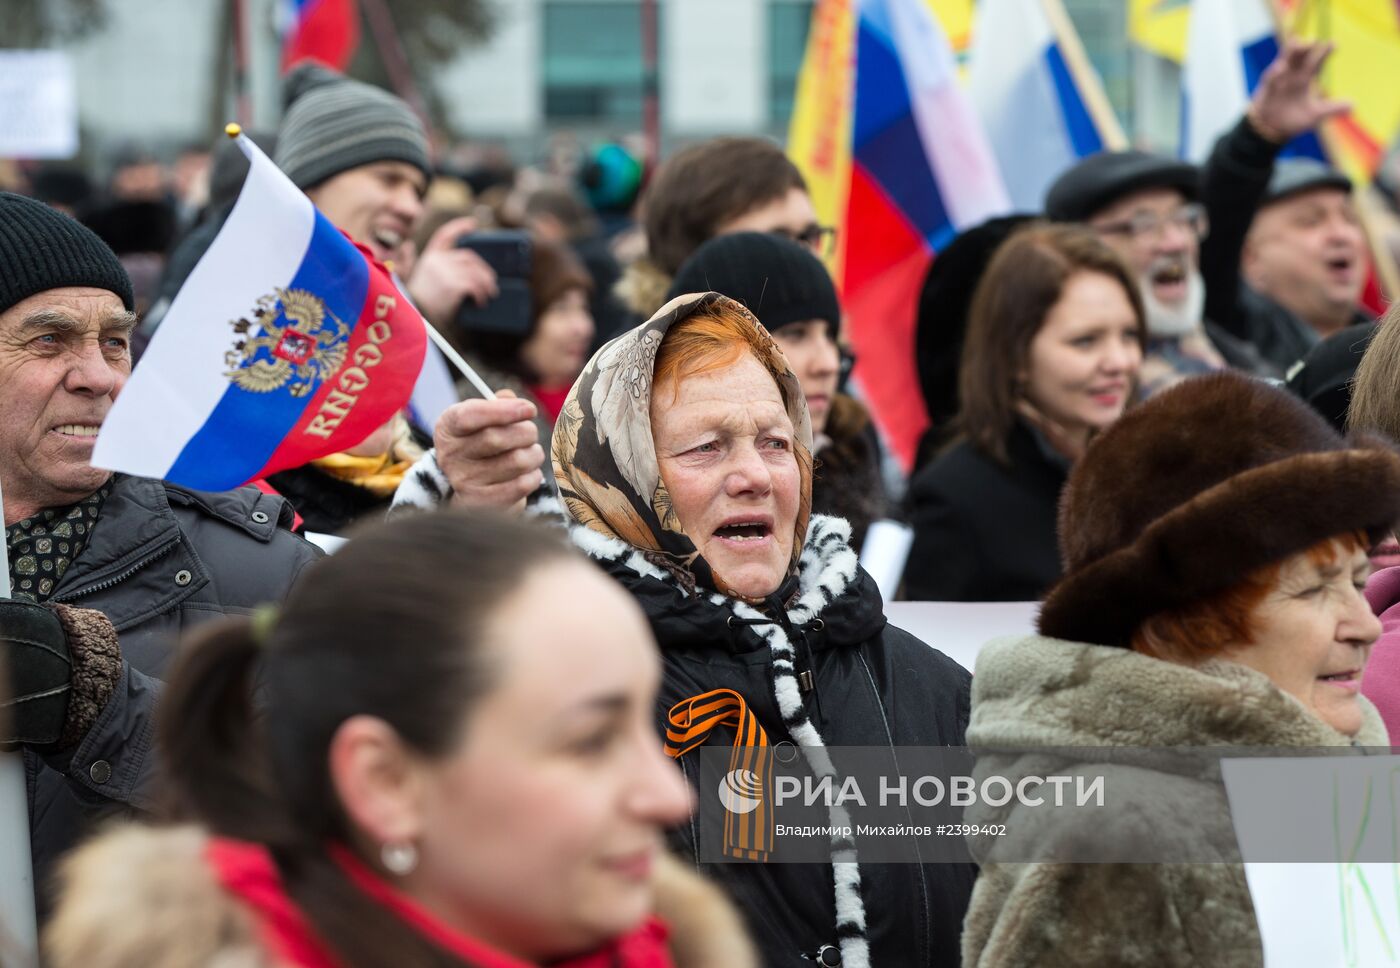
1190,492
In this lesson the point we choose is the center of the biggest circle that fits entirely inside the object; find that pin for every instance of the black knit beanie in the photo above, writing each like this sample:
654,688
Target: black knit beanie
42,249
778,280
334,123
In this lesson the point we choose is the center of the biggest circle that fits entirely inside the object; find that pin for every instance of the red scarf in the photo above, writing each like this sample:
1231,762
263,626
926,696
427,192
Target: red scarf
247,871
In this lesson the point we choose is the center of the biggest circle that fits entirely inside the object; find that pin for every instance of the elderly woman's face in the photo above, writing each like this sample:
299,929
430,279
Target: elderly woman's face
725,447
1314,631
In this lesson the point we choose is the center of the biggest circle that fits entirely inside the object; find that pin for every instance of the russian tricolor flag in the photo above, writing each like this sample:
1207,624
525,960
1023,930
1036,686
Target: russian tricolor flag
327,31
922,171
1229,44
1033,88
287,343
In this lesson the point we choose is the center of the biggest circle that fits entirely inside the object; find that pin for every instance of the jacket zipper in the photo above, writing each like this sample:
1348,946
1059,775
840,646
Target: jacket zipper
160,552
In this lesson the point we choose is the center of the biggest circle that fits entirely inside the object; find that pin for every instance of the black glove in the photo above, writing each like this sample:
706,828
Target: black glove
35,676
58,667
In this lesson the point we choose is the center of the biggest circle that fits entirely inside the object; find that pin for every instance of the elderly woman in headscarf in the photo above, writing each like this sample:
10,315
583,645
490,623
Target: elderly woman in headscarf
683,459
1214,542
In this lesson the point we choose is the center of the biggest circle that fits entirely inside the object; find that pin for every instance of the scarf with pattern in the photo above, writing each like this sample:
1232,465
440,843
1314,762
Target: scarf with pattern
605,457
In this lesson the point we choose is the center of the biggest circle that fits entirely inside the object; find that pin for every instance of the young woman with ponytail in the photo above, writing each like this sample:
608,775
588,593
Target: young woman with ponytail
452,762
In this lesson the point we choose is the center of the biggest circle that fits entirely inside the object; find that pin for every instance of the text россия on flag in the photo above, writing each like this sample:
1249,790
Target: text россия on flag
287,343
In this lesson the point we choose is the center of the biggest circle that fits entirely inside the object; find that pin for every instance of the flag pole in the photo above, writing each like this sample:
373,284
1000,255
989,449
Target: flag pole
18,921
1085,77
455,358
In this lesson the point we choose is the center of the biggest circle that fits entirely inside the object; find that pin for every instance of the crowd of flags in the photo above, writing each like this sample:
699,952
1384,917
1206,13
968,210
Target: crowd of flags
916,118
913,120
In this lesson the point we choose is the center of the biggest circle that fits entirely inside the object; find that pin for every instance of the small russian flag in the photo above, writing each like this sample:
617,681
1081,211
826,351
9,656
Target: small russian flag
327,31
287,343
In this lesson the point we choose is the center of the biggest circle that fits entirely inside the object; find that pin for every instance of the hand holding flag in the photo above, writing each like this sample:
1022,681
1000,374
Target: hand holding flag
288,342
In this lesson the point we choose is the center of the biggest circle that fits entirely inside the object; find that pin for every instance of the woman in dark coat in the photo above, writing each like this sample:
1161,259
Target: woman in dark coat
683,457
1053,349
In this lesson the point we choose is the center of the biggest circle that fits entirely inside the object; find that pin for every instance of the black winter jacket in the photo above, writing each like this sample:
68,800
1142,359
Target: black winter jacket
876,685
984,532
161,559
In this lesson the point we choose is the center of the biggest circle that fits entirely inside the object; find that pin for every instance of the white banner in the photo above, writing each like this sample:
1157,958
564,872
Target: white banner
38,105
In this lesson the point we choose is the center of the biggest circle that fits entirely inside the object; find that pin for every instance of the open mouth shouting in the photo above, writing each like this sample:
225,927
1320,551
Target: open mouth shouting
745,532
1167,277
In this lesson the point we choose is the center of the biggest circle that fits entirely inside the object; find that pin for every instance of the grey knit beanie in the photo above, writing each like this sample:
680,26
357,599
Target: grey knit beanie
333,124
43,249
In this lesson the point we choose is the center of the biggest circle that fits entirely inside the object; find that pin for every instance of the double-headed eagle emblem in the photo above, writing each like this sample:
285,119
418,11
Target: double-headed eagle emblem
304,343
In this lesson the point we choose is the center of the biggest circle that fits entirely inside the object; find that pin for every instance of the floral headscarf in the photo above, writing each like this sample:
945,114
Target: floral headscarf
605,457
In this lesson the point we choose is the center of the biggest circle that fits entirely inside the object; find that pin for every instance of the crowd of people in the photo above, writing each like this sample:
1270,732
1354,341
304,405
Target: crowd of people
467,737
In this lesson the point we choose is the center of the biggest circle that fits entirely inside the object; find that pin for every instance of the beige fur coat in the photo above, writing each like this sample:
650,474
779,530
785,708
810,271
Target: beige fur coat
143,897
1041,692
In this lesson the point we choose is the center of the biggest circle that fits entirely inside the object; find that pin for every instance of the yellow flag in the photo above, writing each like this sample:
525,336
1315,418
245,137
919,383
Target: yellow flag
1367,35
955,17
1160,26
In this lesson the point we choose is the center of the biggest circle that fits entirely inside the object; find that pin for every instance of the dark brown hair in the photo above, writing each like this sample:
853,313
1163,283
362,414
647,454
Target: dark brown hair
1022,283
387,627
554,269
700,188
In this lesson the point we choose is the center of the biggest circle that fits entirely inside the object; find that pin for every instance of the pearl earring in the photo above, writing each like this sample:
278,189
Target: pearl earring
399,859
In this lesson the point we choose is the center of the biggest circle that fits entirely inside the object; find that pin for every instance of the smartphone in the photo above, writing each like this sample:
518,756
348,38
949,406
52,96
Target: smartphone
508,253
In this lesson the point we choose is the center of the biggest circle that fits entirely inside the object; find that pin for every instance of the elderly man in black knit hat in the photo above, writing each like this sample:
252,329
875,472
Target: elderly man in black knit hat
1181,229
106,569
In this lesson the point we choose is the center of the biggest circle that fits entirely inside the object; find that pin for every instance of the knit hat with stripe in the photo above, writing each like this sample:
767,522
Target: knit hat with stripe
42,249
333,124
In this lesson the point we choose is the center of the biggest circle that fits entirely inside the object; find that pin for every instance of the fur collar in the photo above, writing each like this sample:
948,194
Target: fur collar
827,568
140,895
1038,691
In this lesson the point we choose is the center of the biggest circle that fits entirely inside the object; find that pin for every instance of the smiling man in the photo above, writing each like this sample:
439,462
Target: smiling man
106,569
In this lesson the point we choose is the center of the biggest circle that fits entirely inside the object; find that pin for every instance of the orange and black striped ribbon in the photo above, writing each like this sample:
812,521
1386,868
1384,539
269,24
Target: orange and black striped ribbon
747,836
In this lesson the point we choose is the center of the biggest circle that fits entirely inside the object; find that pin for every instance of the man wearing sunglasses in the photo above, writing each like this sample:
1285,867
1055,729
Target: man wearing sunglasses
1182,229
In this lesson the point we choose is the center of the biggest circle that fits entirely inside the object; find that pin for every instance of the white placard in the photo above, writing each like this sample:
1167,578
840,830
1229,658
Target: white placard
884,554
1343,909
960,629
38,105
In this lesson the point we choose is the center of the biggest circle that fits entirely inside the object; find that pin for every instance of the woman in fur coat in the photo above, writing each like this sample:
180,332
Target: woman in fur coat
429,779
684,462
1215,546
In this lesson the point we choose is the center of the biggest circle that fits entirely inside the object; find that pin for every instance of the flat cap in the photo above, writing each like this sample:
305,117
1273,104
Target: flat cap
1294,175
1101,179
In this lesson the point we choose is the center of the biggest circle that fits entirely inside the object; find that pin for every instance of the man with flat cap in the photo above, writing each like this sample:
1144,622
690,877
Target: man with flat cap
106,570
1305,257
1182,229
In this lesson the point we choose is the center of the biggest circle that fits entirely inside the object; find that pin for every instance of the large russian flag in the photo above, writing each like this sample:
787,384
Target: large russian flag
286,343
895,155
1041,102
327,31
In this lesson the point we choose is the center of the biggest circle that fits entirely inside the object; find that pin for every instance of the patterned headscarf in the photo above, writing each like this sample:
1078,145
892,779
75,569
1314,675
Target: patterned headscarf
605,456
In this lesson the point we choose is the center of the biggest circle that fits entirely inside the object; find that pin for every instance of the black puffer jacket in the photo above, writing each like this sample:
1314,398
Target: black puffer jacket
877,686
161,560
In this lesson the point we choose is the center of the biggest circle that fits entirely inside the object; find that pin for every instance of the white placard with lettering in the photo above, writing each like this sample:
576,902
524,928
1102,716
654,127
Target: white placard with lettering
38,104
